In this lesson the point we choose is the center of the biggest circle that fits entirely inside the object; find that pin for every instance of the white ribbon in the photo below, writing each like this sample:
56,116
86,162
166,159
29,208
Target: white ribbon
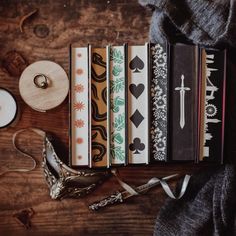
151,183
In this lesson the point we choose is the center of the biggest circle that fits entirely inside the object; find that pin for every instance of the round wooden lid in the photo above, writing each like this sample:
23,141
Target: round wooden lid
44,85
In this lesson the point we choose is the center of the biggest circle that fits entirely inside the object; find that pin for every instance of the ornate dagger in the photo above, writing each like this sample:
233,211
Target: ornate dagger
182,90
119,197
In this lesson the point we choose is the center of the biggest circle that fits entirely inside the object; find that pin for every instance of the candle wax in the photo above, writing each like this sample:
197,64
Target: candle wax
8,108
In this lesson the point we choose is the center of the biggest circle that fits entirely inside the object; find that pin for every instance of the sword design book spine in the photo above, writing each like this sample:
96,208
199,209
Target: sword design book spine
184,101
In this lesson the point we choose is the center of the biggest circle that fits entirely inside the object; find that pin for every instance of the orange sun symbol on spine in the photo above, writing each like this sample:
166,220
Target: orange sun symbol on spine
79,140
79,71
79,106
79,88
79,123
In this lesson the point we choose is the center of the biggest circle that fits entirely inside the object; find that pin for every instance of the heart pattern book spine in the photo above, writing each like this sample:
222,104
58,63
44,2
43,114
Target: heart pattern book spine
138,104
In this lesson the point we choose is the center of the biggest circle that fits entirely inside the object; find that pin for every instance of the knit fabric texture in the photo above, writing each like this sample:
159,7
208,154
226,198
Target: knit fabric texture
209,204
205,22
207,208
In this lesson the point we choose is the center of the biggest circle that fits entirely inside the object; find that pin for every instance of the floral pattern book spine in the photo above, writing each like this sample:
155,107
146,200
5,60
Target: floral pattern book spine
159,102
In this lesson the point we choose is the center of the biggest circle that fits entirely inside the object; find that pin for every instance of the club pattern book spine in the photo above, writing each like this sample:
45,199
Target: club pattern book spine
138,100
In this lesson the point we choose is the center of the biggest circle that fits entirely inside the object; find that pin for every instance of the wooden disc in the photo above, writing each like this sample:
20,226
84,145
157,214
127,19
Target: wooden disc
44,99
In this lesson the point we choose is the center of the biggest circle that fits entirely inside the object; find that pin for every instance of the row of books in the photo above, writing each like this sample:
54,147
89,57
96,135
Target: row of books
147,103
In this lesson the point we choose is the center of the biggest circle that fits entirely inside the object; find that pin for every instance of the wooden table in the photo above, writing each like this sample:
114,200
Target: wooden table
47,35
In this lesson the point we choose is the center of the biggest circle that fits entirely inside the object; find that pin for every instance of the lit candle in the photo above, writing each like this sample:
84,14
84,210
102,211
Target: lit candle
8,108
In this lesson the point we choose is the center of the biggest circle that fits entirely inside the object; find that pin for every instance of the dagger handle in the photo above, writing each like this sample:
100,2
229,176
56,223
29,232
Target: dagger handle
112,199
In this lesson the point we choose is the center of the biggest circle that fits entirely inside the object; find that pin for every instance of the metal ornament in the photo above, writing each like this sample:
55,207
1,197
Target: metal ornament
65,182
120,197
182,90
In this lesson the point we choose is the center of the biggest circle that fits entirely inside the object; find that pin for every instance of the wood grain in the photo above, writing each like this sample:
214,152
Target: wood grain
47,35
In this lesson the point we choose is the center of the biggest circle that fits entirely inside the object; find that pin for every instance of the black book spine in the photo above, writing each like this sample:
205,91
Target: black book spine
184,103
215,80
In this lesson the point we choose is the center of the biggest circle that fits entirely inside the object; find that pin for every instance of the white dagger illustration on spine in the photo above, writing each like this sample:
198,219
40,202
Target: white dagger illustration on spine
182,90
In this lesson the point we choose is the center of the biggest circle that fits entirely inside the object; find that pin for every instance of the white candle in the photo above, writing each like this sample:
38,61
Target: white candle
8,108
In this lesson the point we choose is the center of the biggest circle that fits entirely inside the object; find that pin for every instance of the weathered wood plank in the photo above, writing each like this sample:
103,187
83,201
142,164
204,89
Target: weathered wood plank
47,35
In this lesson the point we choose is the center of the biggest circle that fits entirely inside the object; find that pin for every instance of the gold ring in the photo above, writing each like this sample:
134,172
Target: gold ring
41,81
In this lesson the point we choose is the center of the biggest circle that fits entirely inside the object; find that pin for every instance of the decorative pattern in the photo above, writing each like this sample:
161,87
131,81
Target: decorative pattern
99,108
79,123
214,89
138,103
159,84
79,88
117,105
80,107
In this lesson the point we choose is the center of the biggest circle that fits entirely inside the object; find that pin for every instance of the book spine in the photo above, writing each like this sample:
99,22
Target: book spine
214,109
138,96
99,107
108,50
184,99
117,105
159,102
79,107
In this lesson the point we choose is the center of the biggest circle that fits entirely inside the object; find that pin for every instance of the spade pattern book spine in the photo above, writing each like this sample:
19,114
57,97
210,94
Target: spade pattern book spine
138,104
159,102
213,110
184,95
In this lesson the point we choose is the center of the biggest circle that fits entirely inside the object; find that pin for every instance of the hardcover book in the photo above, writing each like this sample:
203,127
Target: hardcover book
80,106
184,96
99,119
159,102
213,108
118,103
138,104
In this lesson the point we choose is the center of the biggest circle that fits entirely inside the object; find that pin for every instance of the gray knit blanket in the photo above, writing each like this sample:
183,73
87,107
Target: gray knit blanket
206,22
209,205
207,208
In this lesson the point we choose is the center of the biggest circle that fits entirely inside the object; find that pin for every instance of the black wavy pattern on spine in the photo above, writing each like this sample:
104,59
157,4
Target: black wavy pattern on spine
102,151
95,113
98,60
94,91
104,95
98,78
101,129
